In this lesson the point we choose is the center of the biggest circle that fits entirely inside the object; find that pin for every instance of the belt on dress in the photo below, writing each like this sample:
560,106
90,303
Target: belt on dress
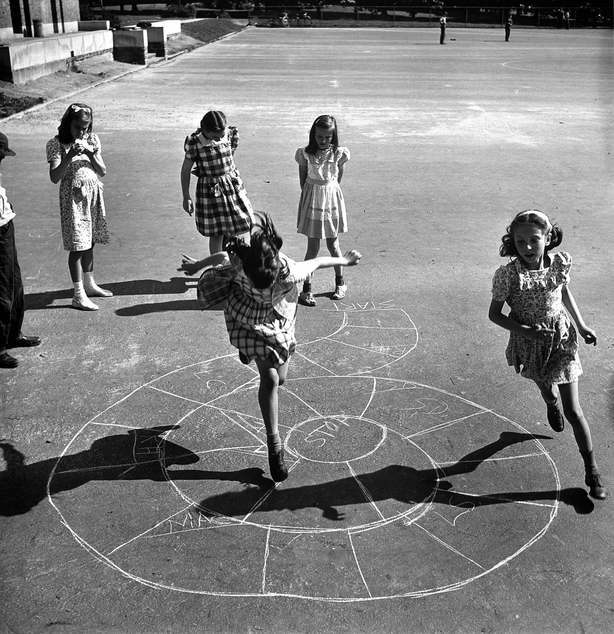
317,181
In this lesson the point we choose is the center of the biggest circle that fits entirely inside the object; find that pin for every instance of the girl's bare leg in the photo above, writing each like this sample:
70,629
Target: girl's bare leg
78,262
582,433
270,380
313,248
335,251
216,244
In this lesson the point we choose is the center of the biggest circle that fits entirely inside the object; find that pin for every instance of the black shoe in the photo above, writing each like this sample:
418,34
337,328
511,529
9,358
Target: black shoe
7,361
593,482
279,471
24,342
555,416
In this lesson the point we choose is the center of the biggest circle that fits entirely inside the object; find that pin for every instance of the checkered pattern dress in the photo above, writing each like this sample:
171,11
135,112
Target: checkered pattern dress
260,322
222,206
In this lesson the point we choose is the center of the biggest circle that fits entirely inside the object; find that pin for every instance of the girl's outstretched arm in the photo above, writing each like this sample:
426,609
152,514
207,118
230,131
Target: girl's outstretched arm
569,302
303,269
190,266
496,315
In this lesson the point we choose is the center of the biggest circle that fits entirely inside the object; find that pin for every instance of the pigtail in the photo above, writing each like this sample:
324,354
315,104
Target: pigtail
556,237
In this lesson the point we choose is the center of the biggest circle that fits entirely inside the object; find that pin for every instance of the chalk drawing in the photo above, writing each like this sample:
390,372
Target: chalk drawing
396,488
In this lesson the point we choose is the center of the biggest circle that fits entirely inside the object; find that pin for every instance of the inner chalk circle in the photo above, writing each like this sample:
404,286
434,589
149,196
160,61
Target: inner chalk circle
336,439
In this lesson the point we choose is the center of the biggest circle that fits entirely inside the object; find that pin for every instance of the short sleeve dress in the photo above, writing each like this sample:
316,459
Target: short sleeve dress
261,322
535,297
82,209
321,207
221,206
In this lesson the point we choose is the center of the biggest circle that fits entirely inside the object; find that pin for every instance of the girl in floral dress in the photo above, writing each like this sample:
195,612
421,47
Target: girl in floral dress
222,206
75,161
321,208
260,314
543,344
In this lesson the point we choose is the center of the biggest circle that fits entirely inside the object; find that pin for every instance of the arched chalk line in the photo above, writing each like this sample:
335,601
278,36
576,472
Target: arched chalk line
515,65
416,518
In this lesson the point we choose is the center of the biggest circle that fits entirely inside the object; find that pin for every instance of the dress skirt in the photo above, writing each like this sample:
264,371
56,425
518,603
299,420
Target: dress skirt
262,336
551,361
222,206
321,210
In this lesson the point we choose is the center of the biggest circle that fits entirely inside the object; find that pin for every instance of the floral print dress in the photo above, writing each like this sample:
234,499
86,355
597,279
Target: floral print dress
82,210
535,297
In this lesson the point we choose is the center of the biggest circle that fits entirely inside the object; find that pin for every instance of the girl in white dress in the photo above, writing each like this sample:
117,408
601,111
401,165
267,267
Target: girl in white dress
321,208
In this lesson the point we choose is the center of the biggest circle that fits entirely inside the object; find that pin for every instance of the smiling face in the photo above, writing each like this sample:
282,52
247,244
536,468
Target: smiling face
531,242
324,137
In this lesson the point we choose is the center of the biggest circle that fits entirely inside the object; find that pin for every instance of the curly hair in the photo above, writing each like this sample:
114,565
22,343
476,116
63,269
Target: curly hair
260,258
535,217
325,122
214,121
74,111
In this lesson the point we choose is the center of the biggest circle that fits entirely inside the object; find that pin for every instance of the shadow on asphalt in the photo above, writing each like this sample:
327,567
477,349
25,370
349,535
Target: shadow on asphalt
174,286
139,454
401,483
145,454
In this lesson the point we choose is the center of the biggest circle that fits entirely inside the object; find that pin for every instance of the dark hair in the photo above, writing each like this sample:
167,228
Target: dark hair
74,111
534,217
213,121
260,258
326,122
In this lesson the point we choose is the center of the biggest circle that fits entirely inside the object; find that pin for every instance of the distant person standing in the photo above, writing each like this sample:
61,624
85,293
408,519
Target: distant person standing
442,28
508,26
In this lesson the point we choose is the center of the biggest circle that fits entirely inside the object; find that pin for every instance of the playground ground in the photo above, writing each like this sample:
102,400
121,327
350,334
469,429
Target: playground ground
427,493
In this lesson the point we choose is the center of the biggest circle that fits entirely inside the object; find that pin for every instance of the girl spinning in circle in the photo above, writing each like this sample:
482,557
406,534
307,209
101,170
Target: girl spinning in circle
260,313
543,342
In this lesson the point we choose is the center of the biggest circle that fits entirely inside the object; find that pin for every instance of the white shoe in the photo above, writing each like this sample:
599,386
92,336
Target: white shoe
340,291
83,303
95,291
92,289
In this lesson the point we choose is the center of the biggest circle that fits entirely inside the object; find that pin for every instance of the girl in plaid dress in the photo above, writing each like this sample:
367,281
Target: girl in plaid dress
261,313
543,344
222,206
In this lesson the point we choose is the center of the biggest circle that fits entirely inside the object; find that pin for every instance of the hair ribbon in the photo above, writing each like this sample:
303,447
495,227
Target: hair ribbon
539,214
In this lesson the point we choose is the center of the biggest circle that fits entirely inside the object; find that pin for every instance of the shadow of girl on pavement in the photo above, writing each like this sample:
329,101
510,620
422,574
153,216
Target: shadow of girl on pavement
397,482
139,454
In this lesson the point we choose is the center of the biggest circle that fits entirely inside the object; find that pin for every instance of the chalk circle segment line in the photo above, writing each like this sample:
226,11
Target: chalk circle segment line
391,406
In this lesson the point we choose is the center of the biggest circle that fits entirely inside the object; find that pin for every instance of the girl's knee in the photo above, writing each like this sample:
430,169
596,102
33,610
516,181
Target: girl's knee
574,414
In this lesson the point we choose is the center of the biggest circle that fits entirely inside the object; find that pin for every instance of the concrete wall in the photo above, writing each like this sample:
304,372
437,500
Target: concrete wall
32,58
130,46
